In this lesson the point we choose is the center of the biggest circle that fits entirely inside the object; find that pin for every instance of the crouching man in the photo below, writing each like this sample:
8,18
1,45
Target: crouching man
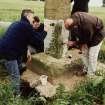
38,27
89,33
14,44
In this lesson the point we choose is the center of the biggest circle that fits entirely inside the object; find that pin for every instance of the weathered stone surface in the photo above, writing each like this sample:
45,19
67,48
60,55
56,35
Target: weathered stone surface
57,9
57,34
47,90
45,64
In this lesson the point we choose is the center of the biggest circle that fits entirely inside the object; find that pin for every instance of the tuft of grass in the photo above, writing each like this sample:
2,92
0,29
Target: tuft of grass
7,97
88,94
61,97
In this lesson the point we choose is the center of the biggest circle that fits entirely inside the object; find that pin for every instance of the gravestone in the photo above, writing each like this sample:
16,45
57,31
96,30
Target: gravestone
55,12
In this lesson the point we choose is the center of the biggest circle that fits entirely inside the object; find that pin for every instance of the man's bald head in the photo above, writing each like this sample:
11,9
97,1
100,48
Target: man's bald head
68,23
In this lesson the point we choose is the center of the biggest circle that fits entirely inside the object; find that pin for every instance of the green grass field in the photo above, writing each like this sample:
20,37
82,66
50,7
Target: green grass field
10,10
98,11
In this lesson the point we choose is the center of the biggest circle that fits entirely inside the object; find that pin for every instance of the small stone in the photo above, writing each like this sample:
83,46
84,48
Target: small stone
47,90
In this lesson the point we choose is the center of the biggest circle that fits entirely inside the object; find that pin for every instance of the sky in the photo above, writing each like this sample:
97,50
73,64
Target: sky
95,2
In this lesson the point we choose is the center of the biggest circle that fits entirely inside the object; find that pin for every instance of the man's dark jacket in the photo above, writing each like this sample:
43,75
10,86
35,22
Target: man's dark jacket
88,29
41,30
16,39
80,6
43,35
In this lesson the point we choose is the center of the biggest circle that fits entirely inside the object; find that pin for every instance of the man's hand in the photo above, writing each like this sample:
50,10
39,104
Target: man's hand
83,47
29,56
70,43
46,28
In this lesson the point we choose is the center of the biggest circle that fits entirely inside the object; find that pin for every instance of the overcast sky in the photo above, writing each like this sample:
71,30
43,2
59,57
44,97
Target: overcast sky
95,3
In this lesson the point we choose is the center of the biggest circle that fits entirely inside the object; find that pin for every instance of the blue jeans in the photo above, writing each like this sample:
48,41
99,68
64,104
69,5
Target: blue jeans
13,69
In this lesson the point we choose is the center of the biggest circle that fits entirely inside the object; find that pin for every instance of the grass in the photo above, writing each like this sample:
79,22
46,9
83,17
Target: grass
98,11
90,92
7,97
10,10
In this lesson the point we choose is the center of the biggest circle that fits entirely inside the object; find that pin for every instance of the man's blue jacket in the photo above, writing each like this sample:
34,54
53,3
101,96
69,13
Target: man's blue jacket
16,39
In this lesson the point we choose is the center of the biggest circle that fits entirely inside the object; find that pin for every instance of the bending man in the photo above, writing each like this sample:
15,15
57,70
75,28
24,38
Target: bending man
89,32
